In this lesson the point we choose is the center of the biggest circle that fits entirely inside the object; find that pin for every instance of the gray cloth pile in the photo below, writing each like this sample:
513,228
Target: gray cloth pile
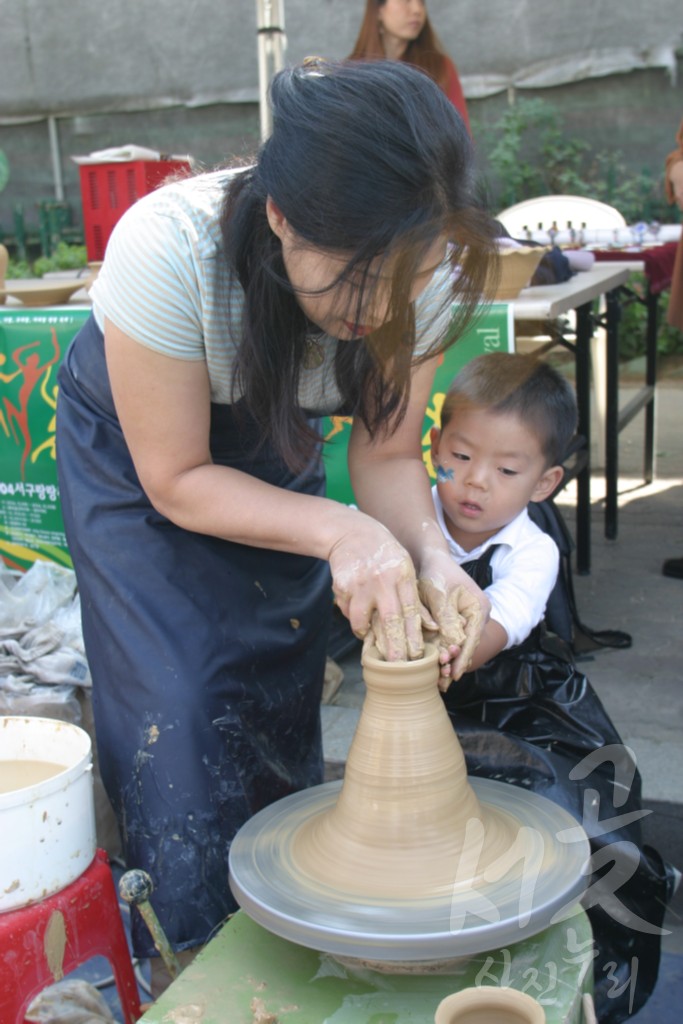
69,1002
42,658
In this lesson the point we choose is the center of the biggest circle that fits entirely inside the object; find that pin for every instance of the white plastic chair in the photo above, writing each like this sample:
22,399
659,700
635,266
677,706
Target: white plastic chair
562,210
577,213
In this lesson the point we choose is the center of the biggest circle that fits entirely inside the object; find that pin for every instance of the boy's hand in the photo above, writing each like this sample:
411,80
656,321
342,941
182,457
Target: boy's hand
460,608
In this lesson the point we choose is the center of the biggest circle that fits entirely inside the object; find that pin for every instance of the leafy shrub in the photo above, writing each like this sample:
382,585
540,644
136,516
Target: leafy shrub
530,156
65,257
633,325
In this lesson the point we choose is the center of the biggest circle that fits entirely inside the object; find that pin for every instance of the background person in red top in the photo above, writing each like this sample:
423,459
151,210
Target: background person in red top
673,184
401,30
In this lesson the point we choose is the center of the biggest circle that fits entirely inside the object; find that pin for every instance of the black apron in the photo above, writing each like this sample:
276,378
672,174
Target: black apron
207,657
528,717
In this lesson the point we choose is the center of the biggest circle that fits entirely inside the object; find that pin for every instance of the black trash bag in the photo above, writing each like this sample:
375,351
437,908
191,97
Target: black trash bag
554,268
561,613
529,718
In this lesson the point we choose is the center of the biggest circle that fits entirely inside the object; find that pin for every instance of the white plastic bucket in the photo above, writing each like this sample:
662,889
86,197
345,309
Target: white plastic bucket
47,827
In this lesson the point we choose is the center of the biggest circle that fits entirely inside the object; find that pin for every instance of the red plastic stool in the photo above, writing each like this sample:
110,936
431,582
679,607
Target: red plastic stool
43,942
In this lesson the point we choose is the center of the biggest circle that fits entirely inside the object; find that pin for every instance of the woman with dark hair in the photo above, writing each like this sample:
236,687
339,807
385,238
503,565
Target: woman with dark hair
234,309
401,30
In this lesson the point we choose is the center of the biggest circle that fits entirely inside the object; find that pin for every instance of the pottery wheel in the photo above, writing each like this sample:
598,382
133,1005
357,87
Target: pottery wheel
270,886
407,859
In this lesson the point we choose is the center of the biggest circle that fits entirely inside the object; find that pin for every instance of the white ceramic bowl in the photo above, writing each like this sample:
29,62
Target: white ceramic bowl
40,292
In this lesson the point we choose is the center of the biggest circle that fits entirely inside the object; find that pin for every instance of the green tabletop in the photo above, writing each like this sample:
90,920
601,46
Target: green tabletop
246,975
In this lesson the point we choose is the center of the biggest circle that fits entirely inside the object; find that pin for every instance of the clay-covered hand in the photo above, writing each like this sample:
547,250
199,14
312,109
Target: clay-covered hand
460,609
375,586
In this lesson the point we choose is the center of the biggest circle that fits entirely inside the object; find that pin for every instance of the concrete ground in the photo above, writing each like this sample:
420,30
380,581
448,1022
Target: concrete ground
641,687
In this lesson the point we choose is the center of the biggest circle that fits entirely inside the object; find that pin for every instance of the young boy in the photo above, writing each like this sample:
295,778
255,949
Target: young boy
506,424
524,713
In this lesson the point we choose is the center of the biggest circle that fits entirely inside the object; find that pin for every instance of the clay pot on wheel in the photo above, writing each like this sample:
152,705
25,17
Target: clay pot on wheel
487,1005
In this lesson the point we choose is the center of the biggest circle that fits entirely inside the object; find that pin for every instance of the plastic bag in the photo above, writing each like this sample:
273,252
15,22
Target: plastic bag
69,1002
530,718
32,598
40,626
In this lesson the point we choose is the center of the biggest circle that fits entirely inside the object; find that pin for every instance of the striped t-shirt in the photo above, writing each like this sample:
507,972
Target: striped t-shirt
165,282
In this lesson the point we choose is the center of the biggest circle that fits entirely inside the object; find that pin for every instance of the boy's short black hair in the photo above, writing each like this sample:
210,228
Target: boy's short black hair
508,382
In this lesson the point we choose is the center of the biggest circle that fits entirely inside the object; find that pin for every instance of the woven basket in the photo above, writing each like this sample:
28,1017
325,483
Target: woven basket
517,267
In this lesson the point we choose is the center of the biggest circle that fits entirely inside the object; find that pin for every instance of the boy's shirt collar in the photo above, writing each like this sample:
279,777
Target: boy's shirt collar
509,535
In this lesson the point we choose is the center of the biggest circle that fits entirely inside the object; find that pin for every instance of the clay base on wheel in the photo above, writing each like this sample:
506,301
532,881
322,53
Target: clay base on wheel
407,859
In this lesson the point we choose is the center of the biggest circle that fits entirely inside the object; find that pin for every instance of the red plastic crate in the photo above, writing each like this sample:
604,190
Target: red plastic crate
109,189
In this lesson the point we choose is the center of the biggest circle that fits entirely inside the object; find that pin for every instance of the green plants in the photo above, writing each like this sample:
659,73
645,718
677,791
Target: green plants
529,154
4,170
18,269
64,257
633,325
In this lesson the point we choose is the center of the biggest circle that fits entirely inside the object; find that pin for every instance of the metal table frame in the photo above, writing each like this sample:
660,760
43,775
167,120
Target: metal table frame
545,304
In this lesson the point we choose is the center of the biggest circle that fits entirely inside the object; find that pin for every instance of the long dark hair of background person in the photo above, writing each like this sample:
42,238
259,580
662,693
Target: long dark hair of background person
425,52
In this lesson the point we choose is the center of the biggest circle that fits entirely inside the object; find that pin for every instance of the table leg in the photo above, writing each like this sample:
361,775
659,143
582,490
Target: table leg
652,306
612,414
584,333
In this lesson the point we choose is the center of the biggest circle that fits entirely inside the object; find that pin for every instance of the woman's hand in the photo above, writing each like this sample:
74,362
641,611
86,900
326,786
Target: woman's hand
375,586
460,610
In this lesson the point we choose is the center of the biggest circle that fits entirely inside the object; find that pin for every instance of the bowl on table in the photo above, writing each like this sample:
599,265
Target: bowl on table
41,292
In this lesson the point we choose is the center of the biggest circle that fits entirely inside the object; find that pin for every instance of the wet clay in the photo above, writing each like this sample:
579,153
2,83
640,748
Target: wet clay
407,824
20,774
54,944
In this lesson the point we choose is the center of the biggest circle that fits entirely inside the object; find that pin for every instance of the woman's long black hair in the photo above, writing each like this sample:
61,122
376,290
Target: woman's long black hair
368,159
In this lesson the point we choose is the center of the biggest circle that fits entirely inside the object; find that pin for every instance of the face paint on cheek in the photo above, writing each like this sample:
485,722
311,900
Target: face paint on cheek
444,476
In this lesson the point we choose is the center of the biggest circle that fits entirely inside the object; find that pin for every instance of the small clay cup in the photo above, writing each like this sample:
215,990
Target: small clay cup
489,1005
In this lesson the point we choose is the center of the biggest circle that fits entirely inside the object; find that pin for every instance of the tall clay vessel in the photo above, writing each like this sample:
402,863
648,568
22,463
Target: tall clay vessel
407,823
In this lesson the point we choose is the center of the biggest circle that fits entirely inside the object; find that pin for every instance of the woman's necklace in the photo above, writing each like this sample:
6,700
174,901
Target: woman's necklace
314,355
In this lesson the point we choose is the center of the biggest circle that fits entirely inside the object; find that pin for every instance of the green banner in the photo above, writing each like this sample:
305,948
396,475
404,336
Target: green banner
32,344
492,332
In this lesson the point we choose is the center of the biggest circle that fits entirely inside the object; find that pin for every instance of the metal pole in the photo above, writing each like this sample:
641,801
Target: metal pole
56,158
270,29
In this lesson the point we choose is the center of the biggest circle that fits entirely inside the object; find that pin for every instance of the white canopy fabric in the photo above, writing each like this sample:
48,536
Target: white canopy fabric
562,69
84,57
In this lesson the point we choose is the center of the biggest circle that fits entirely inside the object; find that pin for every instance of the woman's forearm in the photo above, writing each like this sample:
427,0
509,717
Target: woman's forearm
396,491
235,506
